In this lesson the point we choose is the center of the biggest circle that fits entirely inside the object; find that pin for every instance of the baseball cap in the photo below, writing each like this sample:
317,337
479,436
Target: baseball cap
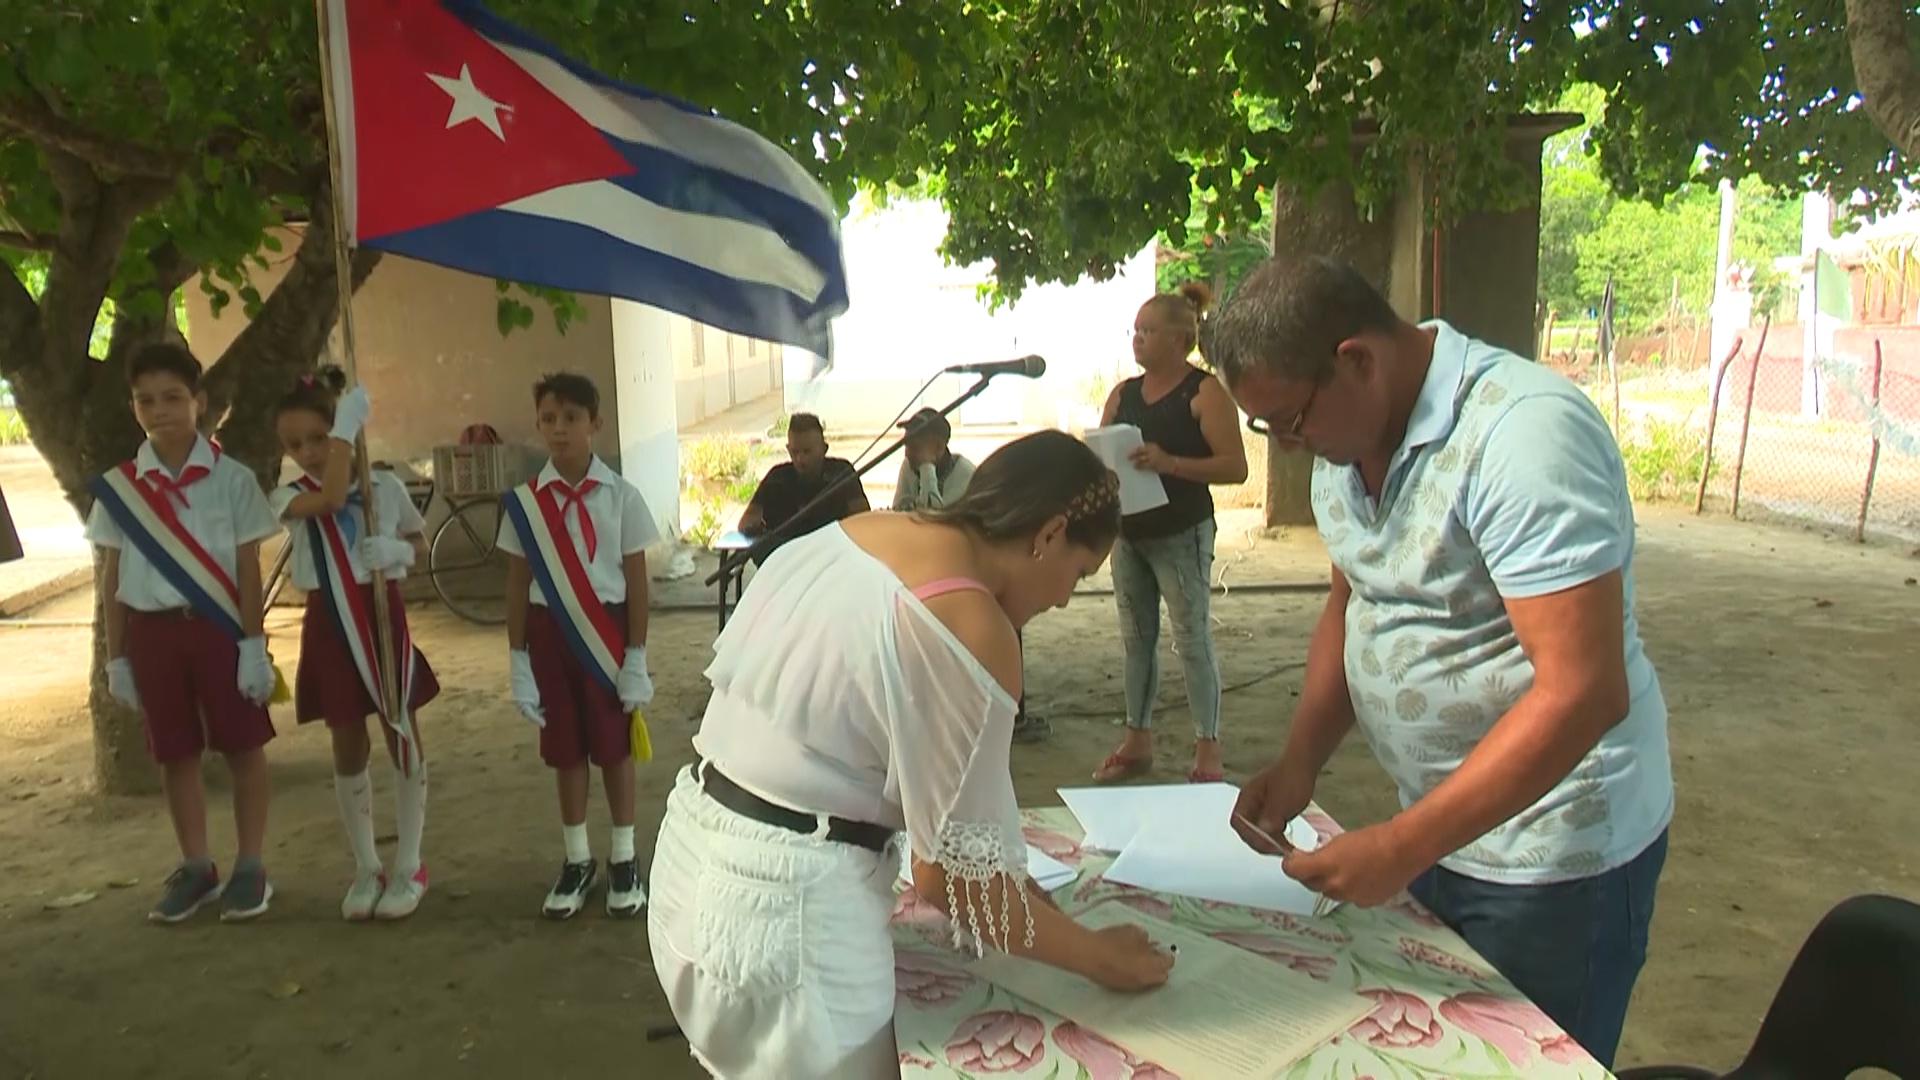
928,422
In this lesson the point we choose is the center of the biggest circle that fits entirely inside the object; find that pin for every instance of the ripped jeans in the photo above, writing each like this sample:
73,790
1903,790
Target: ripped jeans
773,947
1179,569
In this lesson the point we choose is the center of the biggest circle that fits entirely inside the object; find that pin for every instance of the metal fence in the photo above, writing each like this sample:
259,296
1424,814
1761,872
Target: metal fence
1835,444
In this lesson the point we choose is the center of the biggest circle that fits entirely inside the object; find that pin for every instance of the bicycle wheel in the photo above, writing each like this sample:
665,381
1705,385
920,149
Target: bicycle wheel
469,570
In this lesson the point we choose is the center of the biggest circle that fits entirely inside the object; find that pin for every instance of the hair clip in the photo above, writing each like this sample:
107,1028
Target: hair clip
306,381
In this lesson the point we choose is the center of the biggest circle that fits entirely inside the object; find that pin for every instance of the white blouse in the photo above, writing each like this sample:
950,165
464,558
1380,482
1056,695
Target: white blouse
835,691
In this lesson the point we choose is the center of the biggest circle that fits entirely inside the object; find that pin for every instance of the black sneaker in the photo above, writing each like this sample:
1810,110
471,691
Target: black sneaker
626,897
571,889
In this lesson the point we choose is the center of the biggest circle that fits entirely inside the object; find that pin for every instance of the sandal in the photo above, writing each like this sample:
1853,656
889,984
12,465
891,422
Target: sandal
1118,767
1204,776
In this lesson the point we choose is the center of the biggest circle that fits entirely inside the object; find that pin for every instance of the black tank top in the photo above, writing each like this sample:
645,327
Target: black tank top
1170,424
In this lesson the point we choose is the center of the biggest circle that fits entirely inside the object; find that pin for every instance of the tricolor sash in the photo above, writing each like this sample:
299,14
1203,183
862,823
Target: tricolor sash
152,524
596,640
353,616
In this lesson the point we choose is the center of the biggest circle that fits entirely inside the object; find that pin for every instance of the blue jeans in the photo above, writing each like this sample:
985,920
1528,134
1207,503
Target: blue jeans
1178,568
1573,947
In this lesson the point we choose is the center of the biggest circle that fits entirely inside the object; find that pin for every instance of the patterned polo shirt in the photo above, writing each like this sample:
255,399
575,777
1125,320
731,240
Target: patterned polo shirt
1507,485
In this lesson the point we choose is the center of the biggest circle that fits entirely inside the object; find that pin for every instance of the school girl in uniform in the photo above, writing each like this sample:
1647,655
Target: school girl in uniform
333,562
179,530
577,633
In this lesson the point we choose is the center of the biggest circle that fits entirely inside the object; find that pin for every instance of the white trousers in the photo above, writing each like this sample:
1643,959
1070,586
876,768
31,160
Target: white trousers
773,947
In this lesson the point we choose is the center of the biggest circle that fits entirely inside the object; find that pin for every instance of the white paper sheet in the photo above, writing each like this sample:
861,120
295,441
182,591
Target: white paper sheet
1047,872
1139,489
1111,815
1208,860
1224,1013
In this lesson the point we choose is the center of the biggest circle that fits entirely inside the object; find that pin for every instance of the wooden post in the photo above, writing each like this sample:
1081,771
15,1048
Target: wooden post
1613,369
1545,353
1713,416
1746,418
1873,456
386,662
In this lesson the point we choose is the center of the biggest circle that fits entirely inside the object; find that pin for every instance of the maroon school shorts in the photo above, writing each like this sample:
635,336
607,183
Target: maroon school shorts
584,719
328,686
186,671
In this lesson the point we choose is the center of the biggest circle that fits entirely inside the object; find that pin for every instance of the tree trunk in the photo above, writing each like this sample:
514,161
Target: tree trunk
121,765
1322,222
1884,69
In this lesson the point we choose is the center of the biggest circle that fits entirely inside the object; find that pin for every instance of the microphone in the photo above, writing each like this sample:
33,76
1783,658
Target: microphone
1030,367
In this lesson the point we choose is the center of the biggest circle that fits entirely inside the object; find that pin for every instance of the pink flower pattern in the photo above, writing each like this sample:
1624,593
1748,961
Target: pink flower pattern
1399,1020
1006,1040
927,982
1318,965
1517,1028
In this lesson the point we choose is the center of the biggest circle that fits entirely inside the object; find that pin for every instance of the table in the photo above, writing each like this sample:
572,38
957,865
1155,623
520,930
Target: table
1439,1009
735,581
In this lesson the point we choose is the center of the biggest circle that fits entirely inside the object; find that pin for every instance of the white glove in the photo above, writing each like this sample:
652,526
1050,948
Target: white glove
256,671
120,683
636,688
350,414
384,553
526,692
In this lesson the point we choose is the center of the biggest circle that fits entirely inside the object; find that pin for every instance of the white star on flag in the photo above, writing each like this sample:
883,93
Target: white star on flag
469,103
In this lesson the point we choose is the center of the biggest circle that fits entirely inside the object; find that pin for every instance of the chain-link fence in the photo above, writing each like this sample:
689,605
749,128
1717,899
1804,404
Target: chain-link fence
1835,443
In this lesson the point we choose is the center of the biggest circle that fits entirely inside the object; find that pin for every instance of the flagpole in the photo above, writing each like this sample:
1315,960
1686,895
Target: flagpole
386,663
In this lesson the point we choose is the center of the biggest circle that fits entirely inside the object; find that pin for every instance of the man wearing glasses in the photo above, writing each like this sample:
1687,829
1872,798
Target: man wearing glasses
1479,630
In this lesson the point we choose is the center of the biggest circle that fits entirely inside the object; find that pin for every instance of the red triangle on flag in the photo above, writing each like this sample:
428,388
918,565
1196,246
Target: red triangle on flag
428,95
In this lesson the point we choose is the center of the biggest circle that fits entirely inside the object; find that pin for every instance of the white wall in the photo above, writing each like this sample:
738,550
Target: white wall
912,315
643,392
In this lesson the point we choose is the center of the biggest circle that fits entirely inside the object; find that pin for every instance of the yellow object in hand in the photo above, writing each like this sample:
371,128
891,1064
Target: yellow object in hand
642,742
281,692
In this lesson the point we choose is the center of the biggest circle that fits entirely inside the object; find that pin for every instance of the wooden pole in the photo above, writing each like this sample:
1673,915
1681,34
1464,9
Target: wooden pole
1746,419
1873,456
386,663
1713,417
1545,353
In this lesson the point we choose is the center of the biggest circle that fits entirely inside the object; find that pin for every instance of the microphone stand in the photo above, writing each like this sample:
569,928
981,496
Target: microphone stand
734,562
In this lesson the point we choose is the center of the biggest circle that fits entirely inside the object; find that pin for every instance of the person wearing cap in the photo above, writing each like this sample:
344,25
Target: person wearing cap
931,474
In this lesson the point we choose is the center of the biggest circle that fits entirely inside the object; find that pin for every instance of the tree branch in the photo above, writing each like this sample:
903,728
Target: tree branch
26,241
38,122
1884,70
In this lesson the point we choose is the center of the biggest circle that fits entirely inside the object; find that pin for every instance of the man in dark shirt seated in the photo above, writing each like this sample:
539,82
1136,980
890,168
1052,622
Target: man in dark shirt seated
792,485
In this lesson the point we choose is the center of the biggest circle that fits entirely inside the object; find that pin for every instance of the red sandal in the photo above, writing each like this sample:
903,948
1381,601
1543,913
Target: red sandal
1118,768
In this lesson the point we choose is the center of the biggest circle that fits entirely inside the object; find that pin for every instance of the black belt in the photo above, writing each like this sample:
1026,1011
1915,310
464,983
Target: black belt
748,805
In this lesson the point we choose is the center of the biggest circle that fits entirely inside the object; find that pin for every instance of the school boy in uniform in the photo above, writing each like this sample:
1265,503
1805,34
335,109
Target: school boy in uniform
179,530
577,632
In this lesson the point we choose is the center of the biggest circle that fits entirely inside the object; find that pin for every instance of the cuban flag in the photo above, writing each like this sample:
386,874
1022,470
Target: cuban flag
469,143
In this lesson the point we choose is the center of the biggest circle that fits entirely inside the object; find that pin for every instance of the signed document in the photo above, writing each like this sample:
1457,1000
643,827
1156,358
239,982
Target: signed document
1224,1014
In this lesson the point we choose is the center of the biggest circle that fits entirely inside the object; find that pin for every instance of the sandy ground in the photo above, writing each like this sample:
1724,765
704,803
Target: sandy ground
1793,740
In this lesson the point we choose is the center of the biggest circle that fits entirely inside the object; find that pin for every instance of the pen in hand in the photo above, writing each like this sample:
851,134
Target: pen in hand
1278,847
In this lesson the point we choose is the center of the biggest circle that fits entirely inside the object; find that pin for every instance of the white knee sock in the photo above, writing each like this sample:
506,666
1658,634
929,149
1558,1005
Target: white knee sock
575,837
622,844
355,796
410,812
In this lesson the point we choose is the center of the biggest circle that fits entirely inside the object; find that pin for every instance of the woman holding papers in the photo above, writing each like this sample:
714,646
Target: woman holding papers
865,686
1191,434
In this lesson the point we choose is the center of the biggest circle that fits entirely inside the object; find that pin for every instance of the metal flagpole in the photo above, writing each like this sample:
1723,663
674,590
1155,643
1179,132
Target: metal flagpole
387,664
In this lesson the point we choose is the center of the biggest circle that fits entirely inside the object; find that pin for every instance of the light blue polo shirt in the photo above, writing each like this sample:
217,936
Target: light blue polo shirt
1508,484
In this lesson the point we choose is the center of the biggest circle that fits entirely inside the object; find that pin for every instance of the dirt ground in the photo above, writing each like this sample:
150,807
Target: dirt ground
1788,660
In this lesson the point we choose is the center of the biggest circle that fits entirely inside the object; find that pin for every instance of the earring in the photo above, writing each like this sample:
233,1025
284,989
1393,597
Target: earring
1038,554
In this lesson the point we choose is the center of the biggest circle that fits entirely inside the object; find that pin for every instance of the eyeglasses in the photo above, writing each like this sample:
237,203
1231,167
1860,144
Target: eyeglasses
1259,426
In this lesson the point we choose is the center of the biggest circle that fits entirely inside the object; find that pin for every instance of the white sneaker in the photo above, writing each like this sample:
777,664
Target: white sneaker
363,895
402,897
626,897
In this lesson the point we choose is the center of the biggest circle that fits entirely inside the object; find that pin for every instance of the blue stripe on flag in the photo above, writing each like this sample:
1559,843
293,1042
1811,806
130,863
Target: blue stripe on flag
578,258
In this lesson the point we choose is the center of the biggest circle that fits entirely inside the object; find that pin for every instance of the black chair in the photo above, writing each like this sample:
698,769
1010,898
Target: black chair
1850,1001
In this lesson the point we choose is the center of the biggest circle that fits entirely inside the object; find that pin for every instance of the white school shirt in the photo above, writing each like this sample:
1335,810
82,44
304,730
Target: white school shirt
622,526
224,510
835,691
391,504
1508,485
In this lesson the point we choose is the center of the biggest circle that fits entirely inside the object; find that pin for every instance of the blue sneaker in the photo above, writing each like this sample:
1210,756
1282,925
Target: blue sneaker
189,888
246,894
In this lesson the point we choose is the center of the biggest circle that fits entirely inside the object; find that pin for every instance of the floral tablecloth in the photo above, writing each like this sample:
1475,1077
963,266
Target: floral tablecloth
1439,1009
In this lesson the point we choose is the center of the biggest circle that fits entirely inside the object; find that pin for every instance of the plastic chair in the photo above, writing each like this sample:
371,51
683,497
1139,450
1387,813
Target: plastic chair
1850,1001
